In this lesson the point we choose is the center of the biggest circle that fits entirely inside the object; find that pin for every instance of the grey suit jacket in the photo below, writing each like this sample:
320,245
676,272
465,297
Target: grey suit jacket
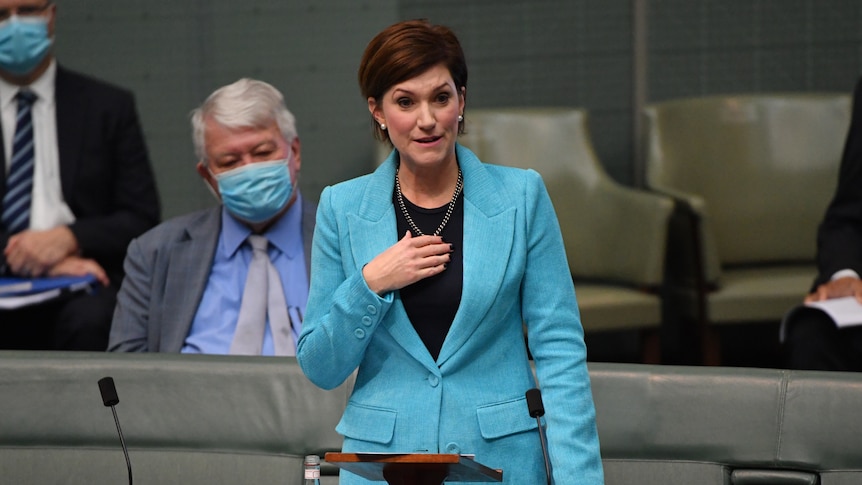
166,273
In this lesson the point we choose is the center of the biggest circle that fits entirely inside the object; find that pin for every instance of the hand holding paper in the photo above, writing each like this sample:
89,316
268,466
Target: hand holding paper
837,288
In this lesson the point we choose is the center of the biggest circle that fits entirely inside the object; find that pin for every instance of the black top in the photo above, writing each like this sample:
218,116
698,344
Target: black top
431,303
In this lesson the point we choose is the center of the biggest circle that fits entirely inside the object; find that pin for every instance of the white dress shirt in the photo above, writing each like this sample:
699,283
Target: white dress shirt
48,208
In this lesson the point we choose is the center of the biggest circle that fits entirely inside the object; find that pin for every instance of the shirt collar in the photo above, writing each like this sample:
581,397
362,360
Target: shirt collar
285,233
43,87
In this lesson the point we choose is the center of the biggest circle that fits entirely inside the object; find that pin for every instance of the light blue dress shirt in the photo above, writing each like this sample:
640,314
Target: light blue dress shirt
215,321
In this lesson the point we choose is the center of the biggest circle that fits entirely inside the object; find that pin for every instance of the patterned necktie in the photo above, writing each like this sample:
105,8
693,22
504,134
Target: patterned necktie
19,183
263,295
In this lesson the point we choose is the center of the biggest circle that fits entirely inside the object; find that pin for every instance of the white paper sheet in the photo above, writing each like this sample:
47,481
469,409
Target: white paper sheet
846,311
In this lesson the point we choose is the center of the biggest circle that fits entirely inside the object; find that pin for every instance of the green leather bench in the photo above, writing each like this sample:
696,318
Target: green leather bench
724,425
248,420
187,419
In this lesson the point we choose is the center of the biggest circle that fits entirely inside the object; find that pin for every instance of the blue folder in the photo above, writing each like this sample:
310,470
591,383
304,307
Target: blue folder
14,286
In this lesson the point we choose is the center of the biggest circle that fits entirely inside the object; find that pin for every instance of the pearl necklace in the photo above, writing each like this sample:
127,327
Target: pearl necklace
458,186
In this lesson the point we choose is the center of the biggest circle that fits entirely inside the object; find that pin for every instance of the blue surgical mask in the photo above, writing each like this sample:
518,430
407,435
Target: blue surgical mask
256,192
24,42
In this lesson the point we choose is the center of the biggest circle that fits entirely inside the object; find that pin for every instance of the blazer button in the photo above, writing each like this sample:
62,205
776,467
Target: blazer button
372,309
366,320
453,448
359,333
433,380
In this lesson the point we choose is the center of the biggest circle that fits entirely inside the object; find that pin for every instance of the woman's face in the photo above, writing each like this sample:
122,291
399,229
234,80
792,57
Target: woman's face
421,117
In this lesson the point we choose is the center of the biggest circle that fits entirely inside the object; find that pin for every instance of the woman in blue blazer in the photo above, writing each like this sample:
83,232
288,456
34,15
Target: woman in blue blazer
424,275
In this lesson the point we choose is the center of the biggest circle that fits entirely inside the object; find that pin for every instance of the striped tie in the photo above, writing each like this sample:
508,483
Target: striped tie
19,184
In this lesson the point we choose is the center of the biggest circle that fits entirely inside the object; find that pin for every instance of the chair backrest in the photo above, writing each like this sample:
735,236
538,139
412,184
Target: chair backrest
760,169
726,425
556,143
189,419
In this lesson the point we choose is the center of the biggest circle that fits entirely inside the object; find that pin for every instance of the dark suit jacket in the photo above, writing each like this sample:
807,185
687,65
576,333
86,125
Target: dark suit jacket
839,237
167,270
105,170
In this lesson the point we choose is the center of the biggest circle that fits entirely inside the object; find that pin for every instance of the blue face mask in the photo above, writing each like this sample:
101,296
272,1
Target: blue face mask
23,44
256,192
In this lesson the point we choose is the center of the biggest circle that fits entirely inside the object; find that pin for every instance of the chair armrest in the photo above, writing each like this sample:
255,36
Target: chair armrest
621,236
694,207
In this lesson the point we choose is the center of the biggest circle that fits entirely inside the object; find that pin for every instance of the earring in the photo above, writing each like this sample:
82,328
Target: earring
460,118
383,126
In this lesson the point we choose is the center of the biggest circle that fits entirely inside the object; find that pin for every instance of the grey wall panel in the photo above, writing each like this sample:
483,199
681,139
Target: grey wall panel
549,53
173,53
723,46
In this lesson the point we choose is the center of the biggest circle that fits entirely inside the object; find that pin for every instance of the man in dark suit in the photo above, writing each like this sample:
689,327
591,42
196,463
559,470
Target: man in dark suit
812,340
88,191
188,280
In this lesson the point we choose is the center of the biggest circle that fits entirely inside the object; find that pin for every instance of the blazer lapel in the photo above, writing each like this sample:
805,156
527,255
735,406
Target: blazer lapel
3,167
488,237
71,113
372,227
190,262
487,217
372,230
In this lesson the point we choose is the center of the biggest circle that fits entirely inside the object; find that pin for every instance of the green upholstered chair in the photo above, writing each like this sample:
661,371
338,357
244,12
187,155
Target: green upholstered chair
755,174
614,235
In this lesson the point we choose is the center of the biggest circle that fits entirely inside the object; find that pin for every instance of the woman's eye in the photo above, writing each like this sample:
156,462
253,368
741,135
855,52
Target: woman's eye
442,98
404,102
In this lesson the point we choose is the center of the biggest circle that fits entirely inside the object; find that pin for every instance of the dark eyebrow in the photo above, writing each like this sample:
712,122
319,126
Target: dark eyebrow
407,91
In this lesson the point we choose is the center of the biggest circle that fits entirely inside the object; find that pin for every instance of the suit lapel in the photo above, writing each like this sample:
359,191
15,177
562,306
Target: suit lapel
2,167
372,230
487,217
372,226
190,262
488,235
71,112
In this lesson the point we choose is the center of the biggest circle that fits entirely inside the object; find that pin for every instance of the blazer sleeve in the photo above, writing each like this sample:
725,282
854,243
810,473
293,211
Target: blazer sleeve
839,237
130,326
342,312
555,337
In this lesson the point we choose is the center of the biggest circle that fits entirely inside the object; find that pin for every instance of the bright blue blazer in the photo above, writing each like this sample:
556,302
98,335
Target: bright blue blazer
471,400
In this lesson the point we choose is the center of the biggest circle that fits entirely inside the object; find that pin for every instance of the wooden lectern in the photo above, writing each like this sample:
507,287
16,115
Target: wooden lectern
414,468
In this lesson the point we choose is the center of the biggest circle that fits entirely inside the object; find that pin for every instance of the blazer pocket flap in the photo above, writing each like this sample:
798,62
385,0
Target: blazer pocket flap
365,423
505,418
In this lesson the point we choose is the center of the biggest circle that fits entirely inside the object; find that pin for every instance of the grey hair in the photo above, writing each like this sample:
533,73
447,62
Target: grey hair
243,104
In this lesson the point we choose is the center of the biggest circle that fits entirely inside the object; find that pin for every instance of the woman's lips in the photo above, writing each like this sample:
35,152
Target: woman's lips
428,139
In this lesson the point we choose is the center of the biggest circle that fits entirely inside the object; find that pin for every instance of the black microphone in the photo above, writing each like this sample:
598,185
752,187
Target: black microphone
110,398
537,410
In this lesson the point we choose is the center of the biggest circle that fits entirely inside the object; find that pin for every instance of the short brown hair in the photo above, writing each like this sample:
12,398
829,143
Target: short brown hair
405,50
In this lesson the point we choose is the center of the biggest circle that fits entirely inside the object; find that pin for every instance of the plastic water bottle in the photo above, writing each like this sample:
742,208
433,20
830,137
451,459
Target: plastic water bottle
312,470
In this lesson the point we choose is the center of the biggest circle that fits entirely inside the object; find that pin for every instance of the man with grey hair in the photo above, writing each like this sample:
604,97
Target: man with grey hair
231,279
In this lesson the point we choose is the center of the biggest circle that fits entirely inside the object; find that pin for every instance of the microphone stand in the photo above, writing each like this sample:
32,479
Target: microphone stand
544,448
537,410
111,399
122,443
